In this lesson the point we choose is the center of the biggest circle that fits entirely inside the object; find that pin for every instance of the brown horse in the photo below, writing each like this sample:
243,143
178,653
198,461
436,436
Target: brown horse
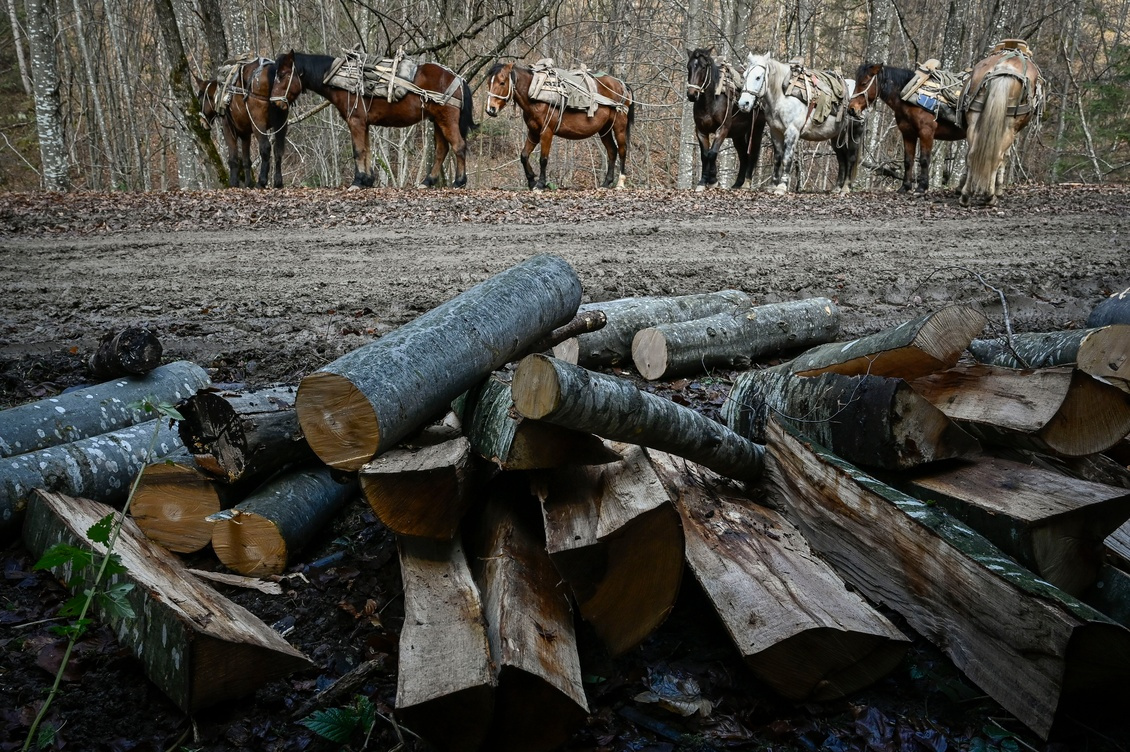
717,117
249,114
919,126
1001,96
612,121
436,93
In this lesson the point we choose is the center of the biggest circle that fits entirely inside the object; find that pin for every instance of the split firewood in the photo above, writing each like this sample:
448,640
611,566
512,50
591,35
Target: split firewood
100,468
614,536
1030,646
243,437
260,534
1117,547
566,395
793,620
131,352
1110,594
236,580
1103,353
445,678
1053,524
613,344
198,647
1058,410
733,339
95,410
869,420
583,323
368,400
1113,310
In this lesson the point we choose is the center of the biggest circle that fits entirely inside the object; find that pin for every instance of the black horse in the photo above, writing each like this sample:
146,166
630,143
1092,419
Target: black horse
717,117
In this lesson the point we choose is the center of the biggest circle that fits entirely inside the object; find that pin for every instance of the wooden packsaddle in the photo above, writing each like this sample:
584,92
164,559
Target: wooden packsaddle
389,78
572,89
936,90
233,81
825,92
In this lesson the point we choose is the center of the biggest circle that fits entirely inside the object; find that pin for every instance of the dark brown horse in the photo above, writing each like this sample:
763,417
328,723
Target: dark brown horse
437,94
919,127
612,121
717,117
249,115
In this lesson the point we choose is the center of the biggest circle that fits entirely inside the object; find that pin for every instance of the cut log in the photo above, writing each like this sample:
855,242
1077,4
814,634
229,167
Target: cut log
614,536
100,468
134,351
504,438
259,535
1050,523
791,617
733,339
445,679
368,400
243,437
1118,547
1030,646
174,497
1103,353
566,395
869,420
582,323
540,701
1113,310
1058,410
198,647
95,410
1110,594
613,344
915,348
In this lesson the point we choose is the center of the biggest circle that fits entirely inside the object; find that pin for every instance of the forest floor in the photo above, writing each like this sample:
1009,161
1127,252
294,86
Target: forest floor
263,287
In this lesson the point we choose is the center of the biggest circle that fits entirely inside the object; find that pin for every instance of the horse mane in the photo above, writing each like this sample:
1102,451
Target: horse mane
311,67
497,67
891,79
715,73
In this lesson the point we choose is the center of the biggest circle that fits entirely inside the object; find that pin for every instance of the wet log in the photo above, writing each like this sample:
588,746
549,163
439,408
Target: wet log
1050,523
1103,353
368,400
733,339
869,420
445,680
197,646
1031,647
100,468
614,536
95,410
914,348
566,395
259,535
582,323
133,351
612,345
243,437
1057,410
795,623
1113,310
1110,594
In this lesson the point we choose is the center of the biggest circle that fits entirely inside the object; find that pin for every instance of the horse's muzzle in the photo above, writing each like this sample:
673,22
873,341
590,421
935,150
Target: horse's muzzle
746,103
492,111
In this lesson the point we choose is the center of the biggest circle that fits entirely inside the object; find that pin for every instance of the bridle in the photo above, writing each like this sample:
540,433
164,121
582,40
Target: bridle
764,81
708,75
509,92
285,98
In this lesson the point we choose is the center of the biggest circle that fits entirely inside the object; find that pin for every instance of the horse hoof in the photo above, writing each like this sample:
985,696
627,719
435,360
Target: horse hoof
620,183
780,190
353,187
699,188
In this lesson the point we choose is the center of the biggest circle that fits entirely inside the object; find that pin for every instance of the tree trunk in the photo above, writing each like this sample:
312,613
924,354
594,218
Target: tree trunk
18,42
238,38
365,402
41,34
1028,645
212,25
96,409
198,647
1101,352
614,536
687,140
133,351
566,395
99,114
1113,310
733,339
172,500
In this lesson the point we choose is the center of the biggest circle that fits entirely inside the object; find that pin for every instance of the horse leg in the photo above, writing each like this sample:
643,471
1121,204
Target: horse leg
280,147
245,150
925,150
788,152
233,156
743,164
609,140
264,160
453,141
359,131
441,148
527,149
909,146
706,178
546,142
622,147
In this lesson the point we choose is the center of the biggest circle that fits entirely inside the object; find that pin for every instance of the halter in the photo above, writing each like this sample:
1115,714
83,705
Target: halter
286,94
699,88
867,88
509,91
764,85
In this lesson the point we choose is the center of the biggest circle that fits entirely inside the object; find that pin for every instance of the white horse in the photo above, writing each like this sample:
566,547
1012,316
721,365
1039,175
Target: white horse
790,119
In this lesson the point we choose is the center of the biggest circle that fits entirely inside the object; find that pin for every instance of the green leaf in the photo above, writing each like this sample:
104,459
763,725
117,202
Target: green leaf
46,736
169,411
335,724
60,554
366,713
114,566
99,532
113,601
73,606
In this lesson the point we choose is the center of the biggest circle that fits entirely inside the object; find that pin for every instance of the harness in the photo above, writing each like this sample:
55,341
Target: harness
1030,101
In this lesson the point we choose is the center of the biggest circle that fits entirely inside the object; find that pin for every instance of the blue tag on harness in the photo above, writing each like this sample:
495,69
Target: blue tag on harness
927,102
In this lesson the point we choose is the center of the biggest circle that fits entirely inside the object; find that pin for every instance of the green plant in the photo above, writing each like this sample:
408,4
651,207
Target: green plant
340,724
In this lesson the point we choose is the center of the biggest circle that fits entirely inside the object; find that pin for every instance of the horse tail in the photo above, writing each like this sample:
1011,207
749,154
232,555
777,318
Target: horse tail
988,135
467,112
631,116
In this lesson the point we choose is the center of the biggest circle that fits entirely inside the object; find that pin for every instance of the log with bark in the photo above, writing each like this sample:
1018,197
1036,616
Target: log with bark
566,395
869,420
445,679
614,536
95,410
243,437
1057,410
1113,310
733,339
1033,648
368,400
795,623
613,344
100,468
196,645
131,352
1103,353
260,534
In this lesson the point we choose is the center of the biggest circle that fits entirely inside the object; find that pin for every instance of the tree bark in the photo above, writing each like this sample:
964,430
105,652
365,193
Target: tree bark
566,395
1113,310
198,647
18,42
365,402
41,34
583,323
133,351
1102,352
99,115
212,26
174,497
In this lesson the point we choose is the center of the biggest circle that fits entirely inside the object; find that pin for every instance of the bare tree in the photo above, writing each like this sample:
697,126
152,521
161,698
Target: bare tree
48,106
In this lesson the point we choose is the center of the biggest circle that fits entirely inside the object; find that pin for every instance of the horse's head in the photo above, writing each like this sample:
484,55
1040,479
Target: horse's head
866,87
206,99
700,71
288,82
500,87
755,82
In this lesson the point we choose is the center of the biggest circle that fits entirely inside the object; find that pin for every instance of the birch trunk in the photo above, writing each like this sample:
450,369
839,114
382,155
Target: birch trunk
18,41
42,33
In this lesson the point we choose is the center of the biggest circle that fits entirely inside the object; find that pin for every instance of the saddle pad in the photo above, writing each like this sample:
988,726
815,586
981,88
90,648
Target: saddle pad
576,89
372,76
824,91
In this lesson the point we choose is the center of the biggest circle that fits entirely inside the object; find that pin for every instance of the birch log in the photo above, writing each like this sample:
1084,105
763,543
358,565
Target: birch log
366,401
1103,353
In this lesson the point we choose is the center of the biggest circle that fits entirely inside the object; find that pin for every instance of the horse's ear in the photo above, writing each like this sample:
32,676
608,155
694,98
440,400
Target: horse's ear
749,59
710,50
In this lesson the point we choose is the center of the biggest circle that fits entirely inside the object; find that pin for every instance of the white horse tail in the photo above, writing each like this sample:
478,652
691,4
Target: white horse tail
989,134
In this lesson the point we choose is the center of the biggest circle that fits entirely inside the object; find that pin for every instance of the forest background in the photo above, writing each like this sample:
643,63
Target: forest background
94,94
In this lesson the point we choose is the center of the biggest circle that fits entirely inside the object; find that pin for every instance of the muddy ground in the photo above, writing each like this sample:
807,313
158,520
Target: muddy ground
264,287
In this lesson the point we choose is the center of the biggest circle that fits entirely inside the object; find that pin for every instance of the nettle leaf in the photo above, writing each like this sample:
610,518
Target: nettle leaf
61,554
74,630
366,713
73,606
169,411
99,532
335,724
114,566
113,601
